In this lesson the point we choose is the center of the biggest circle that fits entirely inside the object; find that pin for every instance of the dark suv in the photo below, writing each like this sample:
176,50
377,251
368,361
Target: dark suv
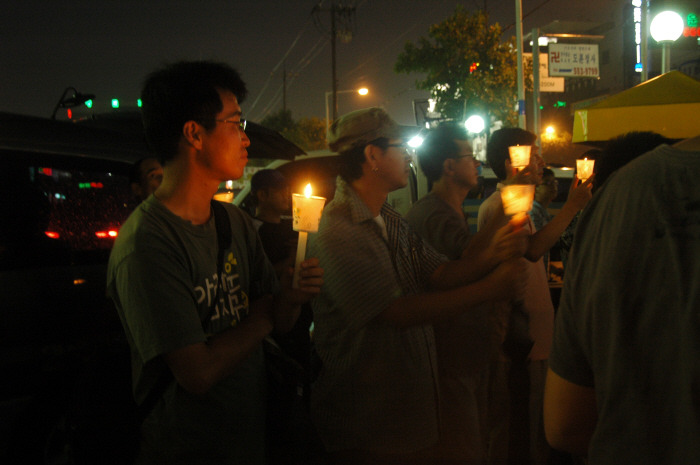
64,192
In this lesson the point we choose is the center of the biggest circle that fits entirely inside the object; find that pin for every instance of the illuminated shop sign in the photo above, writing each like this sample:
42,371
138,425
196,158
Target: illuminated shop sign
637,12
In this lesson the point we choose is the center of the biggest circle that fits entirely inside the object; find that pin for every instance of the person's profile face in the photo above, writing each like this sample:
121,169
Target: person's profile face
395,164
466,166
224,148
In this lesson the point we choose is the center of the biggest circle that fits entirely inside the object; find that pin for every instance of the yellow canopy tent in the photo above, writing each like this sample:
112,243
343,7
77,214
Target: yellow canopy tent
668,104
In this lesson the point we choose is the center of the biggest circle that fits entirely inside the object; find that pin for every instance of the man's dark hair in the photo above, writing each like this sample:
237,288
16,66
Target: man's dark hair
351,160
547,172
497,147
621,150
438,146
181,92
267,179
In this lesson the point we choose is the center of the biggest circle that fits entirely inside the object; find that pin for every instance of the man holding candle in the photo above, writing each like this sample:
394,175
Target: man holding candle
536,304
464,343
375,401
195,310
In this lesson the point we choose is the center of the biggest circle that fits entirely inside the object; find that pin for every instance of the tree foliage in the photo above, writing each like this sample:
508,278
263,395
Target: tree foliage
446,57
307,133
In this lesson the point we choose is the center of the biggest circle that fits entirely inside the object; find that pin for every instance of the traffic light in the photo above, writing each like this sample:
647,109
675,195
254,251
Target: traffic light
115,103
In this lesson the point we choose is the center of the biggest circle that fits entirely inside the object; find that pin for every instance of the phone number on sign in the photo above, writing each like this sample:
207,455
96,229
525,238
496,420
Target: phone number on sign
590,71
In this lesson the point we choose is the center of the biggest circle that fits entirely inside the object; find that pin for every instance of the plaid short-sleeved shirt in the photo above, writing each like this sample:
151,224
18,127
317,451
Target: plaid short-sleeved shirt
377,388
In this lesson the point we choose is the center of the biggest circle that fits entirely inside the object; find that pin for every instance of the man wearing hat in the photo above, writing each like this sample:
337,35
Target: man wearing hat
375,400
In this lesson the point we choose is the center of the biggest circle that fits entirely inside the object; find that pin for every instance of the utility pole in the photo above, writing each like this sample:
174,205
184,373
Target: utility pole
333,67
520,78
341,25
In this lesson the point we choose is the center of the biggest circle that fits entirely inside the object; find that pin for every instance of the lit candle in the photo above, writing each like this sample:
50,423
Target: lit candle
584,168
225,195
306,210
517,199
519,156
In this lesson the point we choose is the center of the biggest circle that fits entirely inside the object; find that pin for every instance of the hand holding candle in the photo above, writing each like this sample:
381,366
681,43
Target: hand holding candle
517,199
584,168
306,211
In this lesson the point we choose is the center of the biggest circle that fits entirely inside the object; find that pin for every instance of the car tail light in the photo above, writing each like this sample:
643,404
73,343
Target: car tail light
52,234
109,234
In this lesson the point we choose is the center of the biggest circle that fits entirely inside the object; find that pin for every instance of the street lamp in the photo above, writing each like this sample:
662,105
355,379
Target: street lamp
666,28
361,91
475,124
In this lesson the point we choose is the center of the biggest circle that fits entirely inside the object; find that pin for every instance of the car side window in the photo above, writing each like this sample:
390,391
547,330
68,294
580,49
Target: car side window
55,213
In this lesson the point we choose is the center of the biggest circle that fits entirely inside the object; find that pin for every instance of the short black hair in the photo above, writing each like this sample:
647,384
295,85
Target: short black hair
547,172
267,179
181,92
438,146
622,149
497,147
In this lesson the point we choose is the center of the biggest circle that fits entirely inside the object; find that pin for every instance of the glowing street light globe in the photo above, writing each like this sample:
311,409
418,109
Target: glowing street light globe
363,91
667,26
475,124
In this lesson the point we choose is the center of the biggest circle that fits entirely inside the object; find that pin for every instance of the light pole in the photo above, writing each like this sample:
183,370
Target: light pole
666,28
361,91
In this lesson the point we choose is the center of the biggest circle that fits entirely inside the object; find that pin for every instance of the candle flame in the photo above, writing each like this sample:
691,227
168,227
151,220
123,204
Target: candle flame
307,190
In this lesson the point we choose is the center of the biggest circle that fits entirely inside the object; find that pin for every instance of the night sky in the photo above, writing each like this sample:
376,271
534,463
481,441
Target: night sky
106,47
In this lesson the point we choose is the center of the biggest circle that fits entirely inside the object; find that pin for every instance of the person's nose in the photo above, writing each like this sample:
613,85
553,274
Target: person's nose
244,138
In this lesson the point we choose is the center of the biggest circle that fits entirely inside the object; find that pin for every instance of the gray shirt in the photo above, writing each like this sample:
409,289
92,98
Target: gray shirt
377,389
629,320
162,276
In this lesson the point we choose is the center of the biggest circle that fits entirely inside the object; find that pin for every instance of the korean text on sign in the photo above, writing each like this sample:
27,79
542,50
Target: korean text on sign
573,60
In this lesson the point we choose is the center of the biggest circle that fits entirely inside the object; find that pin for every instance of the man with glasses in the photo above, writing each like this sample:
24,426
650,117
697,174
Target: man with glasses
464,343
194,308
375,400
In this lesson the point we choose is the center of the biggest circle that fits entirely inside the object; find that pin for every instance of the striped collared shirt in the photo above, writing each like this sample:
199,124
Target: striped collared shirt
377,389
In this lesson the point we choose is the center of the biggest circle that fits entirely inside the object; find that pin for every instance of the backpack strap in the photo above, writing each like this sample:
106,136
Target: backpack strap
223,232
223,237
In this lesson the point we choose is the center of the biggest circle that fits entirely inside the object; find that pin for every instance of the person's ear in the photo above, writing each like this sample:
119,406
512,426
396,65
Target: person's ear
192,132
372,153
448,166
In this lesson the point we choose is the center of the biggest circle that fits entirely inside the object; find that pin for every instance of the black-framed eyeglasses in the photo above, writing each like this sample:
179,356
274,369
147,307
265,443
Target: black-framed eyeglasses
240,123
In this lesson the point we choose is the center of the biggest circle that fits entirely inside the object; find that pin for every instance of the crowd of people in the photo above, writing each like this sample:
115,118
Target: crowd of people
431,345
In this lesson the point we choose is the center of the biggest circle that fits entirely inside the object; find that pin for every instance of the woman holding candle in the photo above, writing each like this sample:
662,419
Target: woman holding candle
375,398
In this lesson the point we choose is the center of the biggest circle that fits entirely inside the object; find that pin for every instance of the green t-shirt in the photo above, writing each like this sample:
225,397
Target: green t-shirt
162,276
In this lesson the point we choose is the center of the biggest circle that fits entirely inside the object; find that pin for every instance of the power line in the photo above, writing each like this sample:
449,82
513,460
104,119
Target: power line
274,70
